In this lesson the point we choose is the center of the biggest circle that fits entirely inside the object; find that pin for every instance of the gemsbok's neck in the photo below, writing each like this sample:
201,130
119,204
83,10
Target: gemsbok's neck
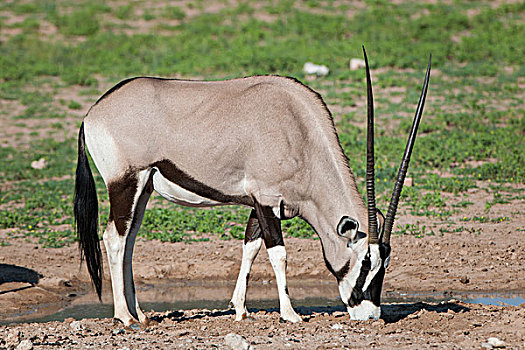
333,196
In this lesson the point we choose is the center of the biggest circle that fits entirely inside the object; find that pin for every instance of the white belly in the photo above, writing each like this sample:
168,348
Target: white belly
179,195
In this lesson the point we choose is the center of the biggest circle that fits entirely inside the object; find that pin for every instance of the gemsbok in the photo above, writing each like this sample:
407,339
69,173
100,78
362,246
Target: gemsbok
266,142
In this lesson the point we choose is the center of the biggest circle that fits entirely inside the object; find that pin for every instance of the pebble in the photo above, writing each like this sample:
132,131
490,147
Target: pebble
337,326
25,345
496,343
413,316
236,342
39,164
12,338
182,333
464,280
356,63
312,68
119,331
76,326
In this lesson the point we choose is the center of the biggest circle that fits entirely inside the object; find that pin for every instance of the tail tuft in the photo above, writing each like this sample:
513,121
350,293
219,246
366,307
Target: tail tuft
86,216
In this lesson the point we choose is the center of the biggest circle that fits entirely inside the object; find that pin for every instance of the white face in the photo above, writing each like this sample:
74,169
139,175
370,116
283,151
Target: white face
360,288
361,280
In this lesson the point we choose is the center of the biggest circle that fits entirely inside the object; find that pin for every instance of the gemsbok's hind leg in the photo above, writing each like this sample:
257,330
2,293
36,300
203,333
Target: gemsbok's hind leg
250,248
273,240
128,197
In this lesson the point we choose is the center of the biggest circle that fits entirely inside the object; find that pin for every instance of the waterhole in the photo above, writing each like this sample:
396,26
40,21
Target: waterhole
307,297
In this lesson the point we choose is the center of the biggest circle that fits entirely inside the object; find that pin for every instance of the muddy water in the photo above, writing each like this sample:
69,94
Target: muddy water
308,297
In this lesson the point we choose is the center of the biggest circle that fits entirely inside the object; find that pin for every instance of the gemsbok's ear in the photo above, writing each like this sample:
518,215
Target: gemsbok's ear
348,228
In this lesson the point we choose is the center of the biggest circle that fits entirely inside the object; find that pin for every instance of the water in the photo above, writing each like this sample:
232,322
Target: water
310,297
510,300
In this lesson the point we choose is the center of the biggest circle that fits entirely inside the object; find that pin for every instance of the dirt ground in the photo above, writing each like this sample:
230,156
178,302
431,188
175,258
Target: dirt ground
484,257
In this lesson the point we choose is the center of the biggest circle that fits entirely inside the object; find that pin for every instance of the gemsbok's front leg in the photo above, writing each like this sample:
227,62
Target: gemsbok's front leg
273,240
128,197
250,248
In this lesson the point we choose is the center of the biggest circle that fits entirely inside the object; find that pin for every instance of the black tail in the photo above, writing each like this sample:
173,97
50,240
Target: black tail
86,215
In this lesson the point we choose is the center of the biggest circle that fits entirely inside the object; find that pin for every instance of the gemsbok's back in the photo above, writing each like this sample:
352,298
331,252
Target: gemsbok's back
266,142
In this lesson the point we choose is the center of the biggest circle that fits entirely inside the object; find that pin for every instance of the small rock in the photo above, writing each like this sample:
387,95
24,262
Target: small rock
119,331
409,182
182,333
12,338
464,280
236,342
312,68
76,326
39,164
339,314
25,345
413,316
64,283
135,326
356,63
496,343
337,326
486,346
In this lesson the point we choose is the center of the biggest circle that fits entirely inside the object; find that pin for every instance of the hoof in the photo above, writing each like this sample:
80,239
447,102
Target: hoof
293,318
148,322
241,317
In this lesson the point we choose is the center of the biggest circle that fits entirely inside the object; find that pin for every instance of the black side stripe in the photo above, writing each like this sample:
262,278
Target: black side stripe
171,172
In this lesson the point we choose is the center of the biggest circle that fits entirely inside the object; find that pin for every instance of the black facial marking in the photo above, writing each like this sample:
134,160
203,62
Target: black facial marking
357,293
373,292
339,275
171,172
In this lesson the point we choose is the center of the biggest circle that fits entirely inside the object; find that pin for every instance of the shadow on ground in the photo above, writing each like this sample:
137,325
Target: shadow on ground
390,313
12,273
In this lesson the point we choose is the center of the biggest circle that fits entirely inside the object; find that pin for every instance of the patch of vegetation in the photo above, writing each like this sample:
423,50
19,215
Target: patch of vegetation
414,230
472,129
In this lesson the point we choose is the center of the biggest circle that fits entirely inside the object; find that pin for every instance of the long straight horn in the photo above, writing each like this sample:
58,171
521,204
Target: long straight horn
370,176
392,208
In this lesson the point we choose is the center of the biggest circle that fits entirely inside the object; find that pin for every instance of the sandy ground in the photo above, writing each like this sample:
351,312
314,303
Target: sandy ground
484,257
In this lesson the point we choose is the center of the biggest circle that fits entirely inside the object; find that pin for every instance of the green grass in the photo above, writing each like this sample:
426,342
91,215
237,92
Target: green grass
472,129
